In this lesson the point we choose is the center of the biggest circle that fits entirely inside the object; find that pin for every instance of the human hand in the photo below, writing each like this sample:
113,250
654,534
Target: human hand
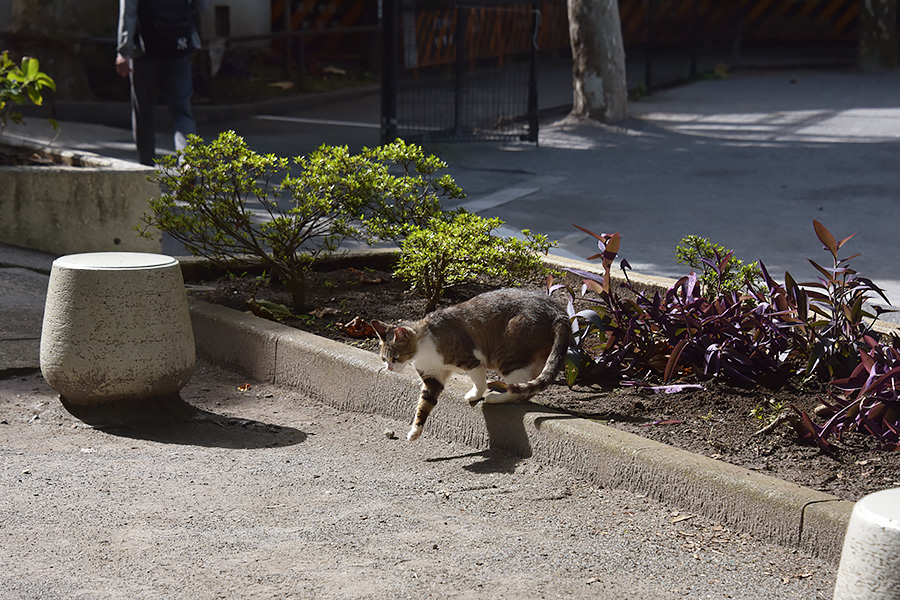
123,65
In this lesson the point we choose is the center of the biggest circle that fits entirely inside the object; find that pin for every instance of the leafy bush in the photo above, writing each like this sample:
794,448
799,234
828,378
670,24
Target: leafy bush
833,310
764,333
739,337
614,338
720,269
455,250
223,200
19,84
868,400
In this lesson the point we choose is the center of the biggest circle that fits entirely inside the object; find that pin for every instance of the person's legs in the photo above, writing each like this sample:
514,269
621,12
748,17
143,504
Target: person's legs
177,89
143,104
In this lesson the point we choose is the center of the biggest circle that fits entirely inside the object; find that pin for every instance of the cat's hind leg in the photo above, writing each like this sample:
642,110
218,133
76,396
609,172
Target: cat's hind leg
517,376
478,375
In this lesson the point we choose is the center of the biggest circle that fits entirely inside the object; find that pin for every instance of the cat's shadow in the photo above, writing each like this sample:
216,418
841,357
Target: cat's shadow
491,461
508,439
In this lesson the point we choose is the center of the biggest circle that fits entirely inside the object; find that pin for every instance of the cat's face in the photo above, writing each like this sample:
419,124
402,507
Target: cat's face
398,345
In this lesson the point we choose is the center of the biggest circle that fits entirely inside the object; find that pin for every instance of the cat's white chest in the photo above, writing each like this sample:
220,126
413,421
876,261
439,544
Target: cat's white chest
429,360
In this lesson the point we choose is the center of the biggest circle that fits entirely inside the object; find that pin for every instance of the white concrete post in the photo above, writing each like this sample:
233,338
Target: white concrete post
116,330
870,560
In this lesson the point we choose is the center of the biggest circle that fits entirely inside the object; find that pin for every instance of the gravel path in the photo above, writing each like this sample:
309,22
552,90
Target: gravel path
270,495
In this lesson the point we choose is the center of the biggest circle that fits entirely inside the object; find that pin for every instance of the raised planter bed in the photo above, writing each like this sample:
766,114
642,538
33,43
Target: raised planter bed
353,379
81,203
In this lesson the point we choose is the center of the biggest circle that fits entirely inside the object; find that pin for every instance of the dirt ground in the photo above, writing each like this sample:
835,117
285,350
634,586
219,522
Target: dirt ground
264,494
715,422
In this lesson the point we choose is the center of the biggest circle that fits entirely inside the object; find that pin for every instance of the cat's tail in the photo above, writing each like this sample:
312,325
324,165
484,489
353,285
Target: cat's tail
562,335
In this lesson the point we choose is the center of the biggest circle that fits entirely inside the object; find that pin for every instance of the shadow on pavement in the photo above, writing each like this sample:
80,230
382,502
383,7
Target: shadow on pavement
171,420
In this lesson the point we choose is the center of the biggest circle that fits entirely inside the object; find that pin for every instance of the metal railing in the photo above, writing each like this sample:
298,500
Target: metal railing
455,71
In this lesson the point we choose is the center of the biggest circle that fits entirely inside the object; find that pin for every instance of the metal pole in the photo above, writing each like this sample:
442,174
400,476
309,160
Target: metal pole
532,135
695,34
390,16
648,71
461,17
288,48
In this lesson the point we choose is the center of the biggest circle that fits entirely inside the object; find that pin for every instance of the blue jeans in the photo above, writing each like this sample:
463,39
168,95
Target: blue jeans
172,76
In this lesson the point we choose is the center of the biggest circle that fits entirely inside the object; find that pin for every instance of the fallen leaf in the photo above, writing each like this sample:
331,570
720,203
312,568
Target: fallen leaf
267,310
324,312
363,277
359,328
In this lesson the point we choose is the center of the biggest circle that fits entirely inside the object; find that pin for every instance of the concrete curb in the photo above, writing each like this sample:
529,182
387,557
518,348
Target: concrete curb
118,114
352,379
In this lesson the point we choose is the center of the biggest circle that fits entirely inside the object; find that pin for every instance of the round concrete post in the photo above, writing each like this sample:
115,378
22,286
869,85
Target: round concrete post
870,559
116,334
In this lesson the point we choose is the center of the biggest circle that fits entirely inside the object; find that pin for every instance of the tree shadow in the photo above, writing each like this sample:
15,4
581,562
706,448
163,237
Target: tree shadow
171,420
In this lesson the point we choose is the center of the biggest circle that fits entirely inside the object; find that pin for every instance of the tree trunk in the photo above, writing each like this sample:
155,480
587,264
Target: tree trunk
598,60
297,287
877,44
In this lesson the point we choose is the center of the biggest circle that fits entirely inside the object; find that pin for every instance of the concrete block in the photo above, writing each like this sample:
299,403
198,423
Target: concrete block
116,331
870,562
87,203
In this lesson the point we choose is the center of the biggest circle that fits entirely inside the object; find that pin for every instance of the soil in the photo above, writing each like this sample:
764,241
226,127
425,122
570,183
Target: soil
12,157
719,421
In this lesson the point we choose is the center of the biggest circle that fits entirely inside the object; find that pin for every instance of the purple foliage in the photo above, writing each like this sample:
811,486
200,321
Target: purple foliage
759,335
739,337
868,400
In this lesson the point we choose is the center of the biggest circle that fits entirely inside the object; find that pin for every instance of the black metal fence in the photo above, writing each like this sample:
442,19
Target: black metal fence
460,71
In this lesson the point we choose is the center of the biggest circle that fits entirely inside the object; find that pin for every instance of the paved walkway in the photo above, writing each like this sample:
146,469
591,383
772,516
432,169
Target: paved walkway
270,495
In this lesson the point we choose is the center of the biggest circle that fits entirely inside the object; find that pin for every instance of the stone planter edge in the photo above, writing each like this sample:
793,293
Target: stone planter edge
84,203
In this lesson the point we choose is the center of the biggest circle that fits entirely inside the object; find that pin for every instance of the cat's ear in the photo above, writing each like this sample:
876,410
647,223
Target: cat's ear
380,329
402,335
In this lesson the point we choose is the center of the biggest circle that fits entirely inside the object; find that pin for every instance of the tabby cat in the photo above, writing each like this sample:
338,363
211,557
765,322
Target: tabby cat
523,335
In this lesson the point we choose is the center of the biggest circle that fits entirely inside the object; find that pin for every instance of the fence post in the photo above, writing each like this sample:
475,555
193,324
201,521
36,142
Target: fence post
648,69
460,41
390,15
532,135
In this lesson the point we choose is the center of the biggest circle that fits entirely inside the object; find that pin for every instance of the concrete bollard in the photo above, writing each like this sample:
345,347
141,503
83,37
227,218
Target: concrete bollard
870,560
116,340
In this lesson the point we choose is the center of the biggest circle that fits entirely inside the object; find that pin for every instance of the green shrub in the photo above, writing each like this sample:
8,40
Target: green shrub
720,270
20,84
456,250
293,220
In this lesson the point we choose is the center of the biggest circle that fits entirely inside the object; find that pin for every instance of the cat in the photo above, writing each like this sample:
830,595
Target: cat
524,335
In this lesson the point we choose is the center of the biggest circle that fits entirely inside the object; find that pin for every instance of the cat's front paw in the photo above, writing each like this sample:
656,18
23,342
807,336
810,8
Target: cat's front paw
414,433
